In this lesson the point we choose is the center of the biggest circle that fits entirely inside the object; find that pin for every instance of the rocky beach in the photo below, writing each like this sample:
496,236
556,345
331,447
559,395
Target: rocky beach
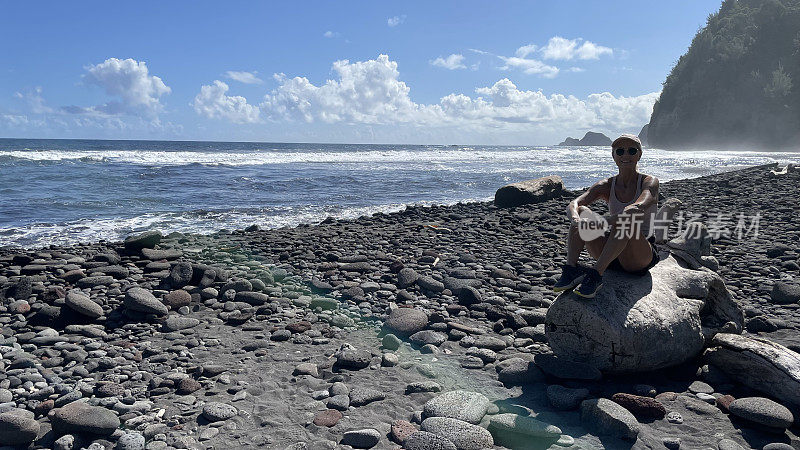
426,328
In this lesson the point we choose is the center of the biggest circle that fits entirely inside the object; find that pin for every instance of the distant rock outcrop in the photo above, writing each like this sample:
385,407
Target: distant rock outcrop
643,135
590,138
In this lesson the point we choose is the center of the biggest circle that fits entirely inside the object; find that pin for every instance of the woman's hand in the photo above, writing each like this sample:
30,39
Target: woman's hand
634,210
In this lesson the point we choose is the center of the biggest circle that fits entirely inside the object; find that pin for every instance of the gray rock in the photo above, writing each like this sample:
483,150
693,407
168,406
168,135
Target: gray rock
564,398
157,255
406,277
490,342
391,342
339,388
778,446
615,331
216,411
762,411
65,442
729,444
531,191
406,321
306,368
429,284
82,304
758,363
469,295
177,323
366,438
784,293
208,433
360,396
428,337
465,436
17,428
252,298
79,417
517,371
524,425
462,405
349,357
131,441
423,440
148,239
180,275
605,417
95,281
700,387
141,300
340,402
456,285
423,386
389,360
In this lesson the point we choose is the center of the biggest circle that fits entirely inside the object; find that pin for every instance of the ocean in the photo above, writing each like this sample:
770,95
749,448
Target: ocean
70,191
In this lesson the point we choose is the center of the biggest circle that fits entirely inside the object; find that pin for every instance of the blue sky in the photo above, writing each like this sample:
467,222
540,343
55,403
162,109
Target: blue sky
462,72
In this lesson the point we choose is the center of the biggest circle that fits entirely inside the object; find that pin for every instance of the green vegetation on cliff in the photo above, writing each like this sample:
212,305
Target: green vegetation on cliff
738,84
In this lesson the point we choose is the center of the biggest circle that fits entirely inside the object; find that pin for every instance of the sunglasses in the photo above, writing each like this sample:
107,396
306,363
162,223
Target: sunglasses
631,151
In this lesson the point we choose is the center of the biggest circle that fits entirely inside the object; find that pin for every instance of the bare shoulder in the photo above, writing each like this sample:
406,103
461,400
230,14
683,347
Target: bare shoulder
601,189
603,186
649,180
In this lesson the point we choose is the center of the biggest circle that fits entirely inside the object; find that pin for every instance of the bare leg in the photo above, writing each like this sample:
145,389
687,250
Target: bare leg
633,252
574,243
615,244
574,246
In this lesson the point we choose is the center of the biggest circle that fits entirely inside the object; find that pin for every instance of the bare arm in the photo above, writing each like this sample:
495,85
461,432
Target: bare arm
597,192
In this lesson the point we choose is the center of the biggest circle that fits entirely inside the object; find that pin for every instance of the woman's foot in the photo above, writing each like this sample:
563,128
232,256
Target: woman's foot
570,277
591,283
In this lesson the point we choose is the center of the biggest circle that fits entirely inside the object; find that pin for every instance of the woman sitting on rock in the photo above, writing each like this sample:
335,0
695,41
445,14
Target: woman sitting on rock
623,241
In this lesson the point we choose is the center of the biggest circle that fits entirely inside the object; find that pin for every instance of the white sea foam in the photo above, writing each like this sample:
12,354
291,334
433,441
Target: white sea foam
205,222
544,156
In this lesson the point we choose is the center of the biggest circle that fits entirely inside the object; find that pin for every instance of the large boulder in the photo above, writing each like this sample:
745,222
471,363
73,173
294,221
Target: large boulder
531,191
148,239
759,364
641,323
79,417
18,427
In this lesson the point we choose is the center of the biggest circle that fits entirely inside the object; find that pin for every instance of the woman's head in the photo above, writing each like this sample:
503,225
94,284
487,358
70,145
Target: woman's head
626,150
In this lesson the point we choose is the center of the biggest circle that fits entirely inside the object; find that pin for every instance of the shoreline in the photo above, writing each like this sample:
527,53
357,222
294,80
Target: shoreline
320,221
274,339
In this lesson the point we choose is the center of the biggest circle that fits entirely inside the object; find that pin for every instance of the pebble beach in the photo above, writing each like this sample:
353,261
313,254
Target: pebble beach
418,329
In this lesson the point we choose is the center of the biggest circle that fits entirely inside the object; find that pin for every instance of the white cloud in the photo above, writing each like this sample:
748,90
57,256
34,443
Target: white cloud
526,50
577,69
529,66
370,92
566,49
14,120
244,77
138,91
366,92
396,20
505,103
452,62
331,34
212,102
35,102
